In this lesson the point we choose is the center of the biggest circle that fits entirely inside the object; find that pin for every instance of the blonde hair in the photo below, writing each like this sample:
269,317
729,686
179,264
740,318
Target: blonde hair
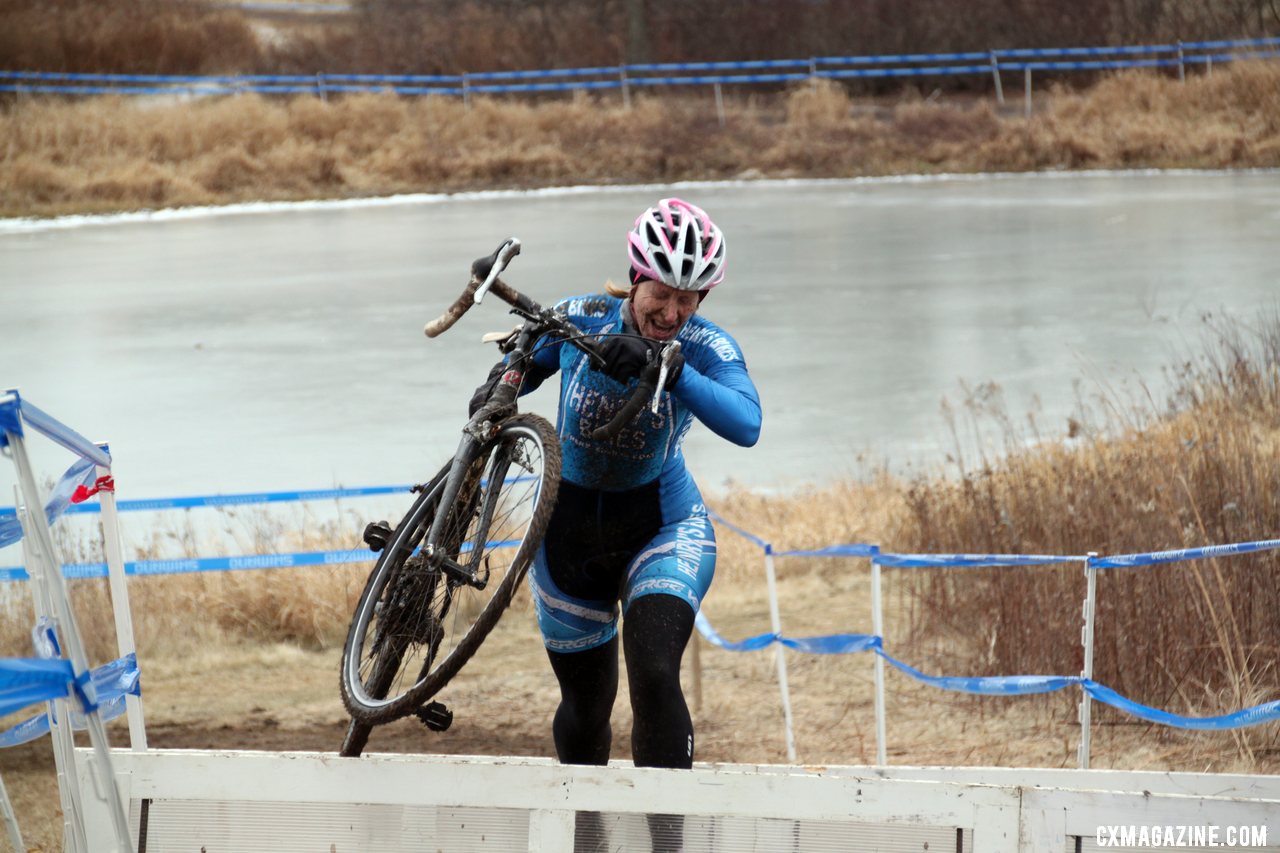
618,290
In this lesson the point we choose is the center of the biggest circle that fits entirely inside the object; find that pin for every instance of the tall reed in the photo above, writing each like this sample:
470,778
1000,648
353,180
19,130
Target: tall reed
1201,469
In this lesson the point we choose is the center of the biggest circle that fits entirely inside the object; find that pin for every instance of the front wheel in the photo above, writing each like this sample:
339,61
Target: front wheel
415,626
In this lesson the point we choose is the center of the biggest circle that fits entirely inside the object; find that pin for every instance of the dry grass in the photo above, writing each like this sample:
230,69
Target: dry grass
125,36
108,154
1196,637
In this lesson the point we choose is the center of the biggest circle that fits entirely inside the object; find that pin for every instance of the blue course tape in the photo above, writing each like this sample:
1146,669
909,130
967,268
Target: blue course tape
1254,716
1125,561
835,551
532,75
1215,45
1086,51
26,681
111,683
649,68
60,433
708,81
151,504
904,57
992,685
996,685
182,566
922,561
81,473
715,516
206,564
1089,66
547,87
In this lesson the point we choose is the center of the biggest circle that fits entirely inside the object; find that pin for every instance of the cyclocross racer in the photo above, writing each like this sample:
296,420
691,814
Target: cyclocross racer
630,526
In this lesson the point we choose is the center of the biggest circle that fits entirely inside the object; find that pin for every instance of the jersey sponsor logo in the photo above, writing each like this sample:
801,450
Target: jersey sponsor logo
713,339
691,542
587,306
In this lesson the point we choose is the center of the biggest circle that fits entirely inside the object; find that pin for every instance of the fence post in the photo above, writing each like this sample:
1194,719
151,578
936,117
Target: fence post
779,651
995,75
1182,71
110,520
320,87
466,90
877,627
1026,75
626,87
1086,639
719,104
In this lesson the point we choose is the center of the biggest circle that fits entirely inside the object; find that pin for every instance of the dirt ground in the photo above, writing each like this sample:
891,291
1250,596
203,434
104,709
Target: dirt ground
280,697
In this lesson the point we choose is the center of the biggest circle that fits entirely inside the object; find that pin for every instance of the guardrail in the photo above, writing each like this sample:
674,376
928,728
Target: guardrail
626,78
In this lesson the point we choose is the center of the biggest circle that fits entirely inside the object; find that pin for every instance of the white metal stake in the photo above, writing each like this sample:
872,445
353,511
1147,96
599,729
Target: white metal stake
877,626
995,75
60,733
51,565
779,652
1026,76
1086,638
719,105
110,520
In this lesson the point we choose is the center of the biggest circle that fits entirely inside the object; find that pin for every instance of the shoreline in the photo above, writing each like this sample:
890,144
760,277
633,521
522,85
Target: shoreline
34,224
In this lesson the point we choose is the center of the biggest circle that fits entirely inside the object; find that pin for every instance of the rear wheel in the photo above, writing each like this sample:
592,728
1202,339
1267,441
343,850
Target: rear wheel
415,625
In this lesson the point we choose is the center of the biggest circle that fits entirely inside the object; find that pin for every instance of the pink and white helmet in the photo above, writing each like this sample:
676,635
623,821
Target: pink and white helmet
677,244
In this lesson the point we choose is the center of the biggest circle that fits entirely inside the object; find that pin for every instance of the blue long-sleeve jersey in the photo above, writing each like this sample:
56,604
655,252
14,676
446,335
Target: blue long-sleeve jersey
714,387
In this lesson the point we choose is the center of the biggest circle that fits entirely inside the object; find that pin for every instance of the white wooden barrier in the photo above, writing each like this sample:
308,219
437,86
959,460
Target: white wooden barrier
224,802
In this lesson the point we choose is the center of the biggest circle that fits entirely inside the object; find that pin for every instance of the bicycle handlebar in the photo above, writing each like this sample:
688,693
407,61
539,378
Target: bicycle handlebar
484,279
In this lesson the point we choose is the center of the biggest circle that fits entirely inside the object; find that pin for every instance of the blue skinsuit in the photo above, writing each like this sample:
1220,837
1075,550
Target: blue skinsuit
630,520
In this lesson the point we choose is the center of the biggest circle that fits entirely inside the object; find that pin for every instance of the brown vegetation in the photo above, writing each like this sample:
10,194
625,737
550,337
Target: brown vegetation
109,154
1189,636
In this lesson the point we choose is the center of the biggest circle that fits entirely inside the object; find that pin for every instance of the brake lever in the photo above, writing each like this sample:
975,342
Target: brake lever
509,250
669,352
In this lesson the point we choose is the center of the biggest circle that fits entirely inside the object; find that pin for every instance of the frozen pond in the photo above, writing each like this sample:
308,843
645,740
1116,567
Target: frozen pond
282,349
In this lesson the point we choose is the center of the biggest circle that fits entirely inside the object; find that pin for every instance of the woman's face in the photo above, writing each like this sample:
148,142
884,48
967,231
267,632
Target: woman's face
661,311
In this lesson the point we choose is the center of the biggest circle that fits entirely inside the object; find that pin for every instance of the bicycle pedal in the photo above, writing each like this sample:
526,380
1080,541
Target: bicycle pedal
435,716
376,535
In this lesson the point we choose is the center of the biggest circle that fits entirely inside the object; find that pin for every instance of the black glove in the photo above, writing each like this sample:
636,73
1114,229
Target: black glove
485,388
626,356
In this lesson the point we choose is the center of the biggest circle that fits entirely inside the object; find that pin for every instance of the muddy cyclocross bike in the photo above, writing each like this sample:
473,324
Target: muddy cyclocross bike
445,574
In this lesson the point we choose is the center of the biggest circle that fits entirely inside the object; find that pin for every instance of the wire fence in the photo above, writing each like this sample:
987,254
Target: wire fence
629,78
